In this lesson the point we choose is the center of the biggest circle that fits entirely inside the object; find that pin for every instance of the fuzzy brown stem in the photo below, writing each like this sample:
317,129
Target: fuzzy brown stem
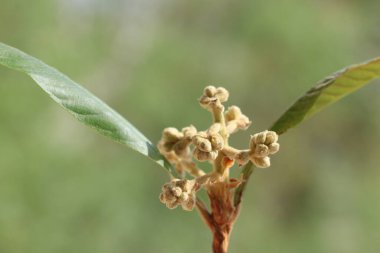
224,215
221,239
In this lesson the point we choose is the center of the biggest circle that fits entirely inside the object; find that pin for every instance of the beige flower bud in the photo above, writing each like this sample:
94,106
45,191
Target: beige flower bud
189,132
259,138
202,143
169,140
236,120
171,134
243,122
186,185
209,91
213,155
181,148
242,157
203,156
261,162
261,145
271,137
222,94
165,147
162,198
212,98
184,197
232,113
214,128
261,150
171,205
177,191
274,148
189,204
217,141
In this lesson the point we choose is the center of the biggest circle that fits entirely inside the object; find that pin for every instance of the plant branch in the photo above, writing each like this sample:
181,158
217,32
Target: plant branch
246,173
205,214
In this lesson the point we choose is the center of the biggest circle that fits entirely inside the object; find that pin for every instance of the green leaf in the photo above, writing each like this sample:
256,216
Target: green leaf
83,105
327,92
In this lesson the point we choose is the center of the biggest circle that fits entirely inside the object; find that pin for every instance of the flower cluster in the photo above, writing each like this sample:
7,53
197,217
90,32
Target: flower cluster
179,192
208,144
182,147
235,120
213,98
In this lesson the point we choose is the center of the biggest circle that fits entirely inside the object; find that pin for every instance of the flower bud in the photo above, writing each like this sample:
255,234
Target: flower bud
202,143
171,134
214,128
271,137
262,145
179,192
232,113
236,120
181,148
209,91
242,157
222,94
171,205
176,191
212,98
273,148
189,132
189,204
203,156
217,142
261,162
259,138
184,197
261,150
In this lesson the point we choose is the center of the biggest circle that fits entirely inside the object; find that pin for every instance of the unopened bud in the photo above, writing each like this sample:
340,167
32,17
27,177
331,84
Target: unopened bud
217,142
202,143
189,204
171,205
214,128
271,137
203,156
181,148
232,113
274,148
177,191
259,138
261,162
209,91
184,196
242,157
189,132
171,134
222,94
261,150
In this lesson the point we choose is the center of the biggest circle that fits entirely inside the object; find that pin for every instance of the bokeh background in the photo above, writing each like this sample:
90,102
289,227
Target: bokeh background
64,188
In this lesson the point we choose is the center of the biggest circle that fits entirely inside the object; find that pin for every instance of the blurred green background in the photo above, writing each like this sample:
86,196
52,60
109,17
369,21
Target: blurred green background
64,188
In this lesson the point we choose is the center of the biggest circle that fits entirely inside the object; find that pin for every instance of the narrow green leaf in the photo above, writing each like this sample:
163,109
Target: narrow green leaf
86,107
327,92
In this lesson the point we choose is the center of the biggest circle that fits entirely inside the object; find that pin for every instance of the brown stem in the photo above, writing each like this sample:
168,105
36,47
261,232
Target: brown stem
221,238
222,217
204,213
